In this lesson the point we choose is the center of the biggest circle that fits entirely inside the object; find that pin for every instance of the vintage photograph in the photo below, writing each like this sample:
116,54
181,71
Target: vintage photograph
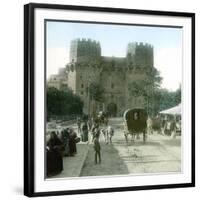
113,99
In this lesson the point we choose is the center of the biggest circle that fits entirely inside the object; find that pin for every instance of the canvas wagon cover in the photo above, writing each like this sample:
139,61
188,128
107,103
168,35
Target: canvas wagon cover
135,119
173,111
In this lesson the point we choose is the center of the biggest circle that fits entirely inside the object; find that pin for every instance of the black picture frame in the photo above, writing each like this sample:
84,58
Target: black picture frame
29,94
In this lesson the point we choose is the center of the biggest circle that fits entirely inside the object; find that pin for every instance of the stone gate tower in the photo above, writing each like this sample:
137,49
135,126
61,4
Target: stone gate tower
115,74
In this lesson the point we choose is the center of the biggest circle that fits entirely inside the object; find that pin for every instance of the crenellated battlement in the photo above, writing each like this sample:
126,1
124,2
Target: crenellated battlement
131,47
86,53
140,54
83,50
87,50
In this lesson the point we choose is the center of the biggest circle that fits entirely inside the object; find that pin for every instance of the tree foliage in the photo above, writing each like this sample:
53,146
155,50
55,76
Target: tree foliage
96,91
61,102
157,99
147,87
168,99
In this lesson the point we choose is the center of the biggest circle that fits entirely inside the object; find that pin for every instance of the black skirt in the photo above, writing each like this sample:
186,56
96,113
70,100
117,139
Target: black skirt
54,162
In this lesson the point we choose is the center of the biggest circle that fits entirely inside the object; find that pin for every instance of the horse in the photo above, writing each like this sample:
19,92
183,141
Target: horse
108,134
134,135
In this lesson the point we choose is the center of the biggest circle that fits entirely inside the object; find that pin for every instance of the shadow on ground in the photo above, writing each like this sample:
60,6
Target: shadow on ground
111,163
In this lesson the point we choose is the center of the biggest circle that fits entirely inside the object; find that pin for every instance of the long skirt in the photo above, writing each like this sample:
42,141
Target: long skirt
54,162
84,136
72,147
66,149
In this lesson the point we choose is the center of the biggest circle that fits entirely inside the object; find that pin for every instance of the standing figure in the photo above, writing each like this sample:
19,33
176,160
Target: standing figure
178,126
84,132
109,134
173,128
95,133
167,127
97,148
106,121
78,121
91,131
89,123
72,142
103,131
65,141
157,124
54,155
163,124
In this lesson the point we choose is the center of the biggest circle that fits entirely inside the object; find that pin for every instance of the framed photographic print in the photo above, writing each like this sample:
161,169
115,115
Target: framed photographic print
109,99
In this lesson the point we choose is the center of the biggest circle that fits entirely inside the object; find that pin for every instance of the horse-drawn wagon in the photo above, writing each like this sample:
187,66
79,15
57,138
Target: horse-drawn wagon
135,123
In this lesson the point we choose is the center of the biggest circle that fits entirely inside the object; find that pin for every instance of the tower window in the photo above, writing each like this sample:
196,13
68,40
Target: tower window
82,92
82,85
112,85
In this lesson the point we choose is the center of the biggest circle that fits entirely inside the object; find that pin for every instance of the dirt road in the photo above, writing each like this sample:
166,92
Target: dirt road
160,154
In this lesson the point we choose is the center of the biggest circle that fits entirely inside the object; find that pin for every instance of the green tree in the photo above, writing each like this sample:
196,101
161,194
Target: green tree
95,95
147,87
168,98
177,95
96,91
61,102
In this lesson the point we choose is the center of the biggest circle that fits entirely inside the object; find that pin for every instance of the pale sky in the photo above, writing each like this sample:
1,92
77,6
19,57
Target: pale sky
114,39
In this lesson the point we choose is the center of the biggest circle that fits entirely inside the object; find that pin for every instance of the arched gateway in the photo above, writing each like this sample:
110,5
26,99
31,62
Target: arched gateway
112,109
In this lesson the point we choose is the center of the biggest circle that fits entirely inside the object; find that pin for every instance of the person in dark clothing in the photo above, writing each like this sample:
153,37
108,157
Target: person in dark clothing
84,132
54,155
89,123
65,141
97,147
94,126
78,121
72,142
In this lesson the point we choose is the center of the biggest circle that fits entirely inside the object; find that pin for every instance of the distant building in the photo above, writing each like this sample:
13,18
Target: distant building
60,80
115,74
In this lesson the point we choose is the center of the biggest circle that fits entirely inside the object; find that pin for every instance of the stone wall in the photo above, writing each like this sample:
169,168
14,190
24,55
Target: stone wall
114,73
140,54
82,50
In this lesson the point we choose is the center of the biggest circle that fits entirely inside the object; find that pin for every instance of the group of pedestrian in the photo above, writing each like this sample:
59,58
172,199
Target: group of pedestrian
58,146
171,126
166,125
84,126
89,130
108,134
69,139
63,144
